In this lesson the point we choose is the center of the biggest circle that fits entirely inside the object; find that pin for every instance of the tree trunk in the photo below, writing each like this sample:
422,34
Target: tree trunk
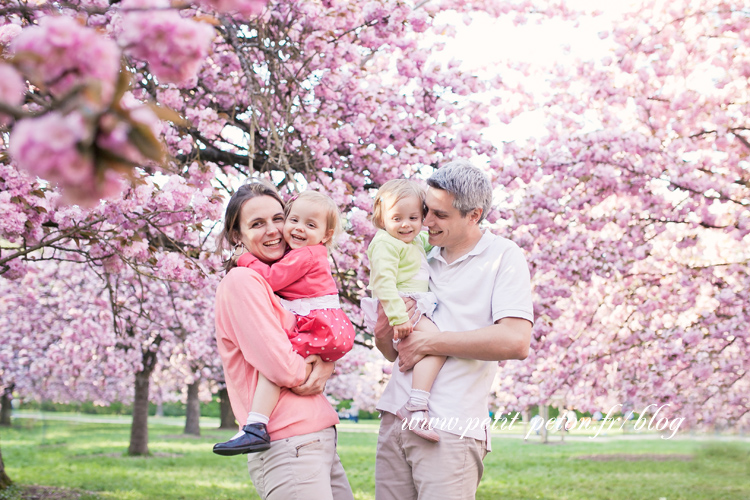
159,409
5,407
227,417
564,422
544,412
193,410
4,479
525,418
139,428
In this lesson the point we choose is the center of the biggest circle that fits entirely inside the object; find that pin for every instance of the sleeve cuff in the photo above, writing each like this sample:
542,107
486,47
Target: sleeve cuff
513,313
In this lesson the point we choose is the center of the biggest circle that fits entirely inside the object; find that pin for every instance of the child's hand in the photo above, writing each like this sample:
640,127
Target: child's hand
400,332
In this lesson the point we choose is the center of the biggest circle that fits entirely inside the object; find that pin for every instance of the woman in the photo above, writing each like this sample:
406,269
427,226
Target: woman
251,328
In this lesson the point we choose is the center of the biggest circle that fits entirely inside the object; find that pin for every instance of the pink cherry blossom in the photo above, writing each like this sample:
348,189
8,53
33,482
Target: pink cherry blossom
59,54
174,47
48,146
242,7
8,32
12,86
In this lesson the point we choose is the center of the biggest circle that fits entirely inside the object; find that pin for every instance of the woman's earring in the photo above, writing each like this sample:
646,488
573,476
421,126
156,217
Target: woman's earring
238,250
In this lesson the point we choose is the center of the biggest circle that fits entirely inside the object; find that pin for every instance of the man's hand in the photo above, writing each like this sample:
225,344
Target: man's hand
411,310
384,333
320,372
412,349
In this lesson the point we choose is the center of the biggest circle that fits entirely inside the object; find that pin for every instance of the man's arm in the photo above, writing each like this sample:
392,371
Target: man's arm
384,335
508,338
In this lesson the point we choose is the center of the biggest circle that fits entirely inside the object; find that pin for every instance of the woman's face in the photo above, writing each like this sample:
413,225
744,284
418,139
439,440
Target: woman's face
261,224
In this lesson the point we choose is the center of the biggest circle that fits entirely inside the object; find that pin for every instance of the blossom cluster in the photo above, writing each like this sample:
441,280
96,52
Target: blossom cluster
631,205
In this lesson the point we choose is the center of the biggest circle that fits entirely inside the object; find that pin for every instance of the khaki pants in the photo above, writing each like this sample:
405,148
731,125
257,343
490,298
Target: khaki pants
407,467
300,467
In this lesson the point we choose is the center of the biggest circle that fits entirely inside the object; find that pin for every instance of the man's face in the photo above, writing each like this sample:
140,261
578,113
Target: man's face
446,227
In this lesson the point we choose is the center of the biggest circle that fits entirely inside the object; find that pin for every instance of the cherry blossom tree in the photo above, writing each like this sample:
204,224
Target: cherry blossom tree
635,218
189,365
632,208
58,340
159,111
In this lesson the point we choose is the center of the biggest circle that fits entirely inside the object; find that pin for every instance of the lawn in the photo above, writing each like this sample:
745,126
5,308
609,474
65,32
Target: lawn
89,457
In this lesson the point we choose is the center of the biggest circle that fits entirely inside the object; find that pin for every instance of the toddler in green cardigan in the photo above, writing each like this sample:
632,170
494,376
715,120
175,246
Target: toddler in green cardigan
398,268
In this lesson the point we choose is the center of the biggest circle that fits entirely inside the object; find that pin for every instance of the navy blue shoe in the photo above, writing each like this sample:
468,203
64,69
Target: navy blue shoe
254,439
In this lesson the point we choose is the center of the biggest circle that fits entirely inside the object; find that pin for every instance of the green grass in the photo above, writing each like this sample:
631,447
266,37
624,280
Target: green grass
90,457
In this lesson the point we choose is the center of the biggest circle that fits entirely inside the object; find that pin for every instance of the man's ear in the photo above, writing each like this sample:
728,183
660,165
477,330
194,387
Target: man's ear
475,215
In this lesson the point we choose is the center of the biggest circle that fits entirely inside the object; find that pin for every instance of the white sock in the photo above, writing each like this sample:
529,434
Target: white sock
421,398
256,418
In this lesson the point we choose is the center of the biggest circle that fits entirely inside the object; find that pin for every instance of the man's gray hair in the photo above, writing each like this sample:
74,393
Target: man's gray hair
469,186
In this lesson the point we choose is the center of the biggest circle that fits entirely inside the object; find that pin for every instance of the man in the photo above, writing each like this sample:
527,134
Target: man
484,315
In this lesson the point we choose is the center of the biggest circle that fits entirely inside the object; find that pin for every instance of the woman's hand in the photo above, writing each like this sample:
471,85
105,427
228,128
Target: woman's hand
315,383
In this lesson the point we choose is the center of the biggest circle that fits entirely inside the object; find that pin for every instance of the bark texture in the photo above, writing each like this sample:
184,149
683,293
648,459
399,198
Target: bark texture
4,479
139,428
5,407
227,417
193,410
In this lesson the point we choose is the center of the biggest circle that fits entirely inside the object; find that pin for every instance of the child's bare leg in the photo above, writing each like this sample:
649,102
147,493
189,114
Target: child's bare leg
266,396
428,368
425,372
423,376
426,325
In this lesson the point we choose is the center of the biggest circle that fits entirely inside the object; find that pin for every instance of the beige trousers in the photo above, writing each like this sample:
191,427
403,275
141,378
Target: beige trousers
408,467
300,468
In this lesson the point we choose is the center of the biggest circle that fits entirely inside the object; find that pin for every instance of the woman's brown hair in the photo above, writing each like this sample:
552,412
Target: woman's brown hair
227,238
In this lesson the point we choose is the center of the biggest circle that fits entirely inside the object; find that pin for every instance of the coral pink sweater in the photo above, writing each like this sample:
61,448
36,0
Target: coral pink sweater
251,333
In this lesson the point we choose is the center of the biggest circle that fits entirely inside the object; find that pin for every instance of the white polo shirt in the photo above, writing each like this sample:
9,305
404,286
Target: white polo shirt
489,283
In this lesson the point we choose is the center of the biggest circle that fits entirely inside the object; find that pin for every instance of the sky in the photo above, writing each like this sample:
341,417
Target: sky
533,42
485,42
